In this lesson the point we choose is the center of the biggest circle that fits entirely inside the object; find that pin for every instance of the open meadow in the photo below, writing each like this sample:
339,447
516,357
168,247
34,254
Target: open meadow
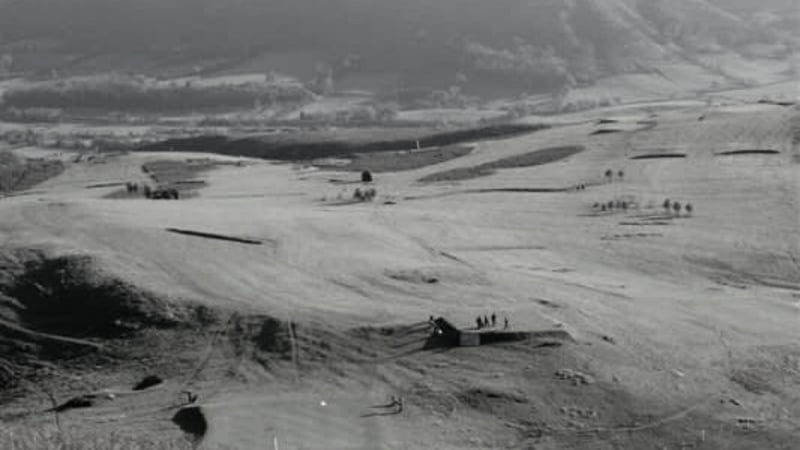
649,254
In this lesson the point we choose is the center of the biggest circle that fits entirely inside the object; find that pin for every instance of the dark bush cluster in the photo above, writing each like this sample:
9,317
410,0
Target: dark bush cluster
365,195
675,207
609,175
621,205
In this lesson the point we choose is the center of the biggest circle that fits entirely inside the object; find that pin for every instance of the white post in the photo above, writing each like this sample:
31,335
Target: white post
275,443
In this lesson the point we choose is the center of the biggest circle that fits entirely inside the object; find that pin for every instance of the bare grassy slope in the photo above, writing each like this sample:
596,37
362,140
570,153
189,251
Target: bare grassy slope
683,327
18,174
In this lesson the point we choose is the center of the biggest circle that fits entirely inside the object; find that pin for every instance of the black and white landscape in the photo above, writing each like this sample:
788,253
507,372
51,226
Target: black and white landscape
418,224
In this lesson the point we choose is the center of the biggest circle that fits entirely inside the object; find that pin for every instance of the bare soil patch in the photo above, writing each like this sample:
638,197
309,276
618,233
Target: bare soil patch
489,191
607,131
148,382
220,237
177,173
397,161
659,156
530,159
105,185
748,152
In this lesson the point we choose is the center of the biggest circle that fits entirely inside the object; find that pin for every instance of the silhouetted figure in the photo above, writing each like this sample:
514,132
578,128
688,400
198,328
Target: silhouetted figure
479,322
191,397
485,321
494,320
505,323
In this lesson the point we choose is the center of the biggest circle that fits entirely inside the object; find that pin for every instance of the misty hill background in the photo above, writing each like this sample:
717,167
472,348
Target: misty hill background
492,47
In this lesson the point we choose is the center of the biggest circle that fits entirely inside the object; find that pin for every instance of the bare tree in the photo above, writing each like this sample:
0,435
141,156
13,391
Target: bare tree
609,175
610,205
689,209
621,175
677,208
667,205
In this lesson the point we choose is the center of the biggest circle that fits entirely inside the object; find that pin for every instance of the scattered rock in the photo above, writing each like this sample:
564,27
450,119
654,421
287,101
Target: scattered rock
609,339
577,378
578,412
749,423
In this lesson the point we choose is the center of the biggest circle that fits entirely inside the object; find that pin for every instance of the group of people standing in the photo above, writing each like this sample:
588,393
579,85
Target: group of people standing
490,322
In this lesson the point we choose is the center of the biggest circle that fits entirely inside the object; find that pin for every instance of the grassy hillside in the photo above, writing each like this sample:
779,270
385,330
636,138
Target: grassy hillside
17,174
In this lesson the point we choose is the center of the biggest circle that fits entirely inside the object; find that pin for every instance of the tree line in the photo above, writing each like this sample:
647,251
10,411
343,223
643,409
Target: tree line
132,94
